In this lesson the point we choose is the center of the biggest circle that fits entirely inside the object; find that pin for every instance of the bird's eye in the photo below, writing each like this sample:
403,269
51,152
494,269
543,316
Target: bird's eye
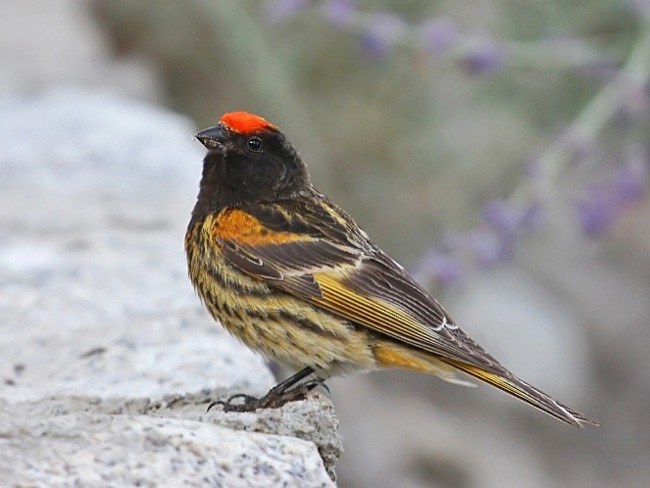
255,144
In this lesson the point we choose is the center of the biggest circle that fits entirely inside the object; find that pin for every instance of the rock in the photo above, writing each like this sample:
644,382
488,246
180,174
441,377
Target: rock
104,343
92,449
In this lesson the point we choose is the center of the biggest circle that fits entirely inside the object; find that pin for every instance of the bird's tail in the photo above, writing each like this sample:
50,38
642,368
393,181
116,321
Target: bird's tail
525,392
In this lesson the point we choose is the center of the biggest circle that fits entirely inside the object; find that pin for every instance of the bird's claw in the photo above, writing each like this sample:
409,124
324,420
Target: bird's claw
275,398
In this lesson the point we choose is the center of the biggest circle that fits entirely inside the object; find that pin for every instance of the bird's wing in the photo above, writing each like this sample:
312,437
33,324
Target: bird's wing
318,254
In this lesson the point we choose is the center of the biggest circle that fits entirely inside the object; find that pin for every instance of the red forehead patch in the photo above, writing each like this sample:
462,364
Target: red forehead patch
244,122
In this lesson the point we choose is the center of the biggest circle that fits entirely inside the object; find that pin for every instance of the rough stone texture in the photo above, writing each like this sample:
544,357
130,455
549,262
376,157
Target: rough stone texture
92,449
107,358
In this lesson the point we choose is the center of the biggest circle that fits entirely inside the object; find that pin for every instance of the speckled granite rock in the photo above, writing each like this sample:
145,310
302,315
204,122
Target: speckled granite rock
92,449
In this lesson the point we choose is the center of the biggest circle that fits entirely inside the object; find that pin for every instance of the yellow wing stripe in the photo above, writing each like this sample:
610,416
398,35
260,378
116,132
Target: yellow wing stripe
493,379
370,312
395,355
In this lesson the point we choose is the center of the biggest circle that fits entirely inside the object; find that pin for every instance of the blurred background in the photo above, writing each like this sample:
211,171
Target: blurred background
498,149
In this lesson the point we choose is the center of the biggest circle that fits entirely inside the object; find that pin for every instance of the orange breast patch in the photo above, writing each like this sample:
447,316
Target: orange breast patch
243,228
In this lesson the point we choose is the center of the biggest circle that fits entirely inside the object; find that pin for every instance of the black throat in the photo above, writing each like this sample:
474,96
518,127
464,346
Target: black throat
235,182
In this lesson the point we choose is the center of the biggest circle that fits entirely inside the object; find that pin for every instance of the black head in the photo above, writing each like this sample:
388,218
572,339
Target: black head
249,161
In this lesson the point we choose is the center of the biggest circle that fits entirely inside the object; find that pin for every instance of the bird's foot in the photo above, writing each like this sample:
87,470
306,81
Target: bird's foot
275,398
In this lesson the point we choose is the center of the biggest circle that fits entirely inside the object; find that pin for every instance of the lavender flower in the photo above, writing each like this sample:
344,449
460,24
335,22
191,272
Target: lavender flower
490,248
338,12
643,7
532,217
632,179
437,35
440,267
597,211
501,217
509,221
381,33
281,10
485,57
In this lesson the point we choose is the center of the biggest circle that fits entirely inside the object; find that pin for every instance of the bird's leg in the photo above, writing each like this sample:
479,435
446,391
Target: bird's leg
286,391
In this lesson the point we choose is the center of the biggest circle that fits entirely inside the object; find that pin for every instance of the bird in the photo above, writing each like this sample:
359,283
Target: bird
292,276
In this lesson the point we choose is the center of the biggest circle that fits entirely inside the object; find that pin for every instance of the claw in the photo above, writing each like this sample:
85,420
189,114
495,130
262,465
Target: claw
228,404
275,398
318,382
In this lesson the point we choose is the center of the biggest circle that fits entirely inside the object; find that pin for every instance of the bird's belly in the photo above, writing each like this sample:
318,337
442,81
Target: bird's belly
275,323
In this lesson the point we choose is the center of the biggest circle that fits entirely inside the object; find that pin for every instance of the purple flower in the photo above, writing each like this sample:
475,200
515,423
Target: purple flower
604,202
531,217
437,35
632,179
597,211
382,32
509,221
281,10
643,7
502,217
440,267
338,12
490,248
486,57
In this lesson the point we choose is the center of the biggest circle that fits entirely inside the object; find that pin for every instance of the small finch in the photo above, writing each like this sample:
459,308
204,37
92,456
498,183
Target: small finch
292,276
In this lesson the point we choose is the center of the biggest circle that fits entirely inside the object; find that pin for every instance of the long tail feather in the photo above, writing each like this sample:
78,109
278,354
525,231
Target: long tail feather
527,393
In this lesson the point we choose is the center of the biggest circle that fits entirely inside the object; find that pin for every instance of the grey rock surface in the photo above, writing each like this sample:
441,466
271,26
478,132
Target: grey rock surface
107,358
45,43
91,449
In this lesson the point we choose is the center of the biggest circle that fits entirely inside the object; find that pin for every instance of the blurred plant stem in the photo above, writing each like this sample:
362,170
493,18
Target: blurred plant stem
545,55
582,133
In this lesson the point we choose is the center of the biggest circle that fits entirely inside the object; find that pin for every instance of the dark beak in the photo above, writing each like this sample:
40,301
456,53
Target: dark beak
213,137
